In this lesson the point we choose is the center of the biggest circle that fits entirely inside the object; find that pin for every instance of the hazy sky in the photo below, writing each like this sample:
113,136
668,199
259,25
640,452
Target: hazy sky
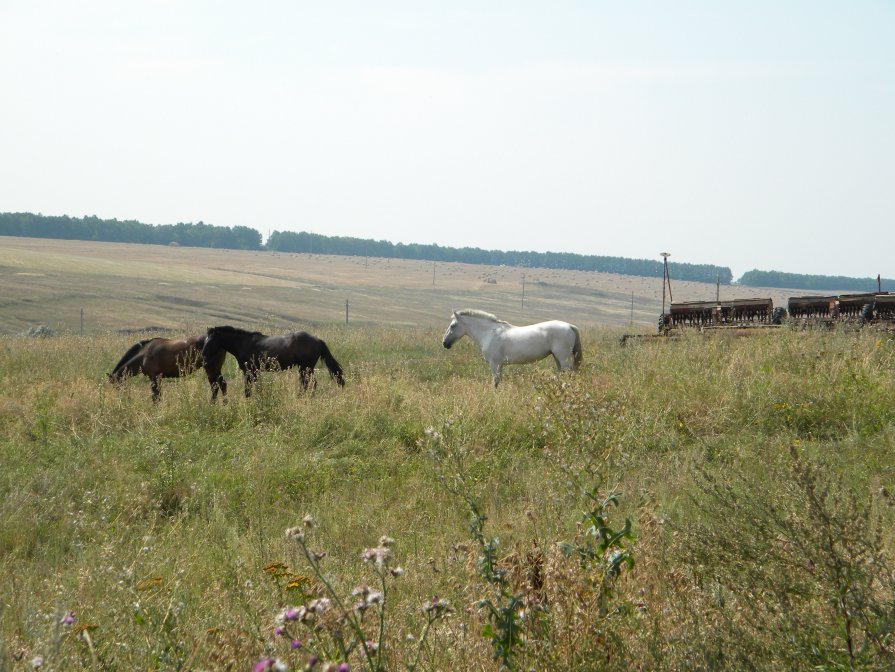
755,134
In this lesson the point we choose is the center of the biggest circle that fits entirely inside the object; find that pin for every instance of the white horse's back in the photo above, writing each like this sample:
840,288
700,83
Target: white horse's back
532,342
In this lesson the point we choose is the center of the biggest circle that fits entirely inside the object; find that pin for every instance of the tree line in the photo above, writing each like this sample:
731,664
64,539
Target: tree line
128,231
314,243
757,278
246,238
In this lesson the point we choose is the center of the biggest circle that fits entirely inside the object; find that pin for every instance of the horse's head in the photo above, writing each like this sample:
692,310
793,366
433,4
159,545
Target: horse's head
208,344
455,331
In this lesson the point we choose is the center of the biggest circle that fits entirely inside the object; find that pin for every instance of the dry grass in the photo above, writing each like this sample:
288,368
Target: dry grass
155,522
124,286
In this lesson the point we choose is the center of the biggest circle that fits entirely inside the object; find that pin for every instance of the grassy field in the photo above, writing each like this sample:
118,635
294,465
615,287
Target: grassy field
136,287
706,503
756,475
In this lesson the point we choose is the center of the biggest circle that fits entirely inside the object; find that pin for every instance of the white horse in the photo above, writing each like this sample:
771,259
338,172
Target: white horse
502,343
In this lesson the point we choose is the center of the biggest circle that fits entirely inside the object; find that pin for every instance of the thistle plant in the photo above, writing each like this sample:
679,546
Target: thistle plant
603,547
503,606
336,626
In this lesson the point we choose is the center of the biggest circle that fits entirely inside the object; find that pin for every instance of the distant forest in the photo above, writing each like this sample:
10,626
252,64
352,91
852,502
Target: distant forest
359,247
813,282
129,231
246,238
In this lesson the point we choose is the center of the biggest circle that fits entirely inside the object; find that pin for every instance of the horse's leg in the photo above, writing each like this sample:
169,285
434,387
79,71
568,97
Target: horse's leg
305,374
217,383
565,363
495,372
155,385
251,376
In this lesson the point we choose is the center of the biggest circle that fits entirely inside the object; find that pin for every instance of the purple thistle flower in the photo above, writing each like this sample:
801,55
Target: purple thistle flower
279,630
263,665
312,662
68,619
343,667
296,644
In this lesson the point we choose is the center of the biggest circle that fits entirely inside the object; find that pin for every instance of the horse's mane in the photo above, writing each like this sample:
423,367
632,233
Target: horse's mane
237,330
472,312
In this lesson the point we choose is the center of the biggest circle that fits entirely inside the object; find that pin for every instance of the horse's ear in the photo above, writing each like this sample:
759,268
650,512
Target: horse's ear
454,312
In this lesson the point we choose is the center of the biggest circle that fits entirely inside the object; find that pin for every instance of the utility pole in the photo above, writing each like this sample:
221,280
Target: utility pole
523,291
666,280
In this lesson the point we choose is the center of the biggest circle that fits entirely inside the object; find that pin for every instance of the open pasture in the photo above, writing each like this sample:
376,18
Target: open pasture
136,287
757,476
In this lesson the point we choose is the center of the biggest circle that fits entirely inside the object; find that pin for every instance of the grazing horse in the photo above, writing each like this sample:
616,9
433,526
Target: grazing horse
502,343
256,352
159,358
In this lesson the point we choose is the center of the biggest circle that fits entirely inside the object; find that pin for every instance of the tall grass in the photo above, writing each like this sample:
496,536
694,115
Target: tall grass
756,474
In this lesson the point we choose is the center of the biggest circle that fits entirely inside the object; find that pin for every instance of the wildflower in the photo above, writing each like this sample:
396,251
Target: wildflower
279,631
68,619
386,541
372,646
37,662
320,605
263,665
343,668
295,644
319,555
379,555
295,533
397,571
270,664
312,663
437,607
290,614
309,521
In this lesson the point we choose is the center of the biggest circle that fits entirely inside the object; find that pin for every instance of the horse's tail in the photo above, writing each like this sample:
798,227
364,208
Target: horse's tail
119,370
334,369
576,349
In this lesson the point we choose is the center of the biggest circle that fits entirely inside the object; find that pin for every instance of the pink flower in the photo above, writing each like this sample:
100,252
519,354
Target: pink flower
263,665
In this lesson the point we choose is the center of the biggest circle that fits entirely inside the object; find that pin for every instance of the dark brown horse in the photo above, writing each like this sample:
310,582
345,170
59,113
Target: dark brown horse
256,352
158,358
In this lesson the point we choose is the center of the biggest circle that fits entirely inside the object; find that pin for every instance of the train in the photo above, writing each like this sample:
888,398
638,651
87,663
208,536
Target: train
863,308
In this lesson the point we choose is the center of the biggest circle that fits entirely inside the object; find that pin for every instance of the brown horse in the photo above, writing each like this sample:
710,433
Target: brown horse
158,358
